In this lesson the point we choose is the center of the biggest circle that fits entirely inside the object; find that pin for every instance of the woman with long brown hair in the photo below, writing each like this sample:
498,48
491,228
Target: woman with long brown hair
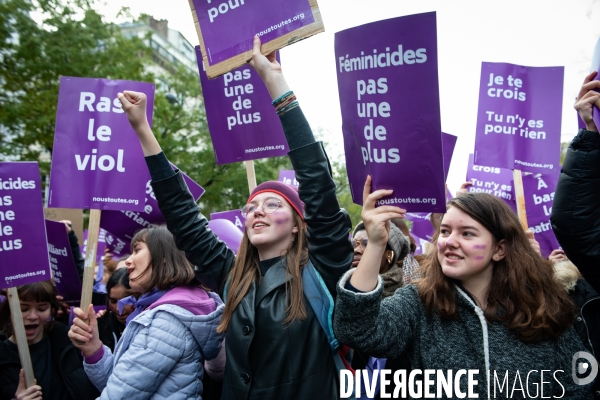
486,301
276,348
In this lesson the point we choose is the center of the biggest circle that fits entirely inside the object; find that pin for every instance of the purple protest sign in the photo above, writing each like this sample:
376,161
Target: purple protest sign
235,216
64,271
242,122
421,225
539,195
448,144
228,27
116,246
99,250
519,117
227,232
596,67
493,180
388,88
288,176
23,246
97,160
124,224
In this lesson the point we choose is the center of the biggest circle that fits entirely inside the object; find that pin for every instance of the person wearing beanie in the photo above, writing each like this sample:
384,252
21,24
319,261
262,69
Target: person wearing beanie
276,348
397,247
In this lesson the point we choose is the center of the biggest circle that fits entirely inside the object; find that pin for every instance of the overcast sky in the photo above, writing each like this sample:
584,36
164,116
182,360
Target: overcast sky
524,32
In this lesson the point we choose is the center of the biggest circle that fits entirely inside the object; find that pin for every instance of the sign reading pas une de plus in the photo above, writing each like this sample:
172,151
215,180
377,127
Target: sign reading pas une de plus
97,160
242,121
388,89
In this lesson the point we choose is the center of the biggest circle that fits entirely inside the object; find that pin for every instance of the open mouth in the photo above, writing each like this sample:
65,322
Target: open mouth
31,328
259,225
355,261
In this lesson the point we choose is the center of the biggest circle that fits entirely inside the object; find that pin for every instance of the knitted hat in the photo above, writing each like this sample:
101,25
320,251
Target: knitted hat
397,242
288,192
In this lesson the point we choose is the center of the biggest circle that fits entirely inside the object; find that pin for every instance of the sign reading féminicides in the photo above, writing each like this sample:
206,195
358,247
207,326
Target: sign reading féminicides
519,117
242,121
23,250
63,267
97,160
388,90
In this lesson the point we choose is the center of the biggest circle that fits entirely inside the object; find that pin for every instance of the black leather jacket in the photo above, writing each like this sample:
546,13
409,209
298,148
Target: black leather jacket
265,358
576,207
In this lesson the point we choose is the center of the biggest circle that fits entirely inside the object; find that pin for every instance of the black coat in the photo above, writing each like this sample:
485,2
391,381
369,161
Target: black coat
587,323
68,365
265,358
576,207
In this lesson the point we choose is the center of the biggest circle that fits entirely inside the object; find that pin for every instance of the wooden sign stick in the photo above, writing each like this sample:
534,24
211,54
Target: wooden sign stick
90,259
521,211
251,174
19,330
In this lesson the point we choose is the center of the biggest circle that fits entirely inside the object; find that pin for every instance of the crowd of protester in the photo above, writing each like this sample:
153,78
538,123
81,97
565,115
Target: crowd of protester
482,297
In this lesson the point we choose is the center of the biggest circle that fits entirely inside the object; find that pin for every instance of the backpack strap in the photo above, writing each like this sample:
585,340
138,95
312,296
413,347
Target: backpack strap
320,301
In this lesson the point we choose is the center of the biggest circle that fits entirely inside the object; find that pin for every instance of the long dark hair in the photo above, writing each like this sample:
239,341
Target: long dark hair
169,267
41,292
522,293
246,270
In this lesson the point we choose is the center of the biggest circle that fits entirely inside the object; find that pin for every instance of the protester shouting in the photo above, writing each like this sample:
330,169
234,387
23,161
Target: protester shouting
56,363
168,336
276,348
487,302
576,207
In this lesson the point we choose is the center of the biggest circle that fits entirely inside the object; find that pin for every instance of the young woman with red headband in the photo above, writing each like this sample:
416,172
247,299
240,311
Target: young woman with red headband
276,348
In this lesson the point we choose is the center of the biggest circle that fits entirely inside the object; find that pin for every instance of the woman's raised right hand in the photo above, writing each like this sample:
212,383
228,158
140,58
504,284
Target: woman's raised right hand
134,105
85,337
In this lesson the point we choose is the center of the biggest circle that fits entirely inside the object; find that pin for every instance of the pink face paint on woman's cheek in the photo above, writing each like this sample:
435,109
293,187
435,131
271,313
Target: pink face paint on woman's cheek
281,221
479,258
479,247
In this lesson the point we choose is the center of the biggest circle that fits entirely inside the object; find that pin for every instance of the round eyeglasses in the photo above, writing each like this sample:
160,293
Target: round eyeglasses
269,206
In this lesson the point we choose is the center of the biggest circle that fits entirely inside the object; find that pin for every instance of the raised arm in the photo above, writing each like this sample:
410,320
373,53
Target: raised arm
189,227
328,226
576,208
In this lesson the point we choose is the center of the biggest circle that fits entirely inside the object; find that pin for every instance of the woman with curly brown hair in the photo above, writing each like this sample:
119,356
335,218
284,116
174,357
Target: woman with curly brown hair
487,302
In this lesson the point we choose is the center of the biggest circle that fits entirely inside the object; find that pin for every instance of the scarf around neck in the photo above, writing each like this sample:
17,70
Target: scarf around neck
140,304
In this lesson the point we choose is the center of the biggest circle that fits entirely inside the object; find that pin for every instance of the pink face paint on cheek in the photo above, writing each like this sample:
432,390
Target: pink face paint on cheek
281,221
479,247
479,258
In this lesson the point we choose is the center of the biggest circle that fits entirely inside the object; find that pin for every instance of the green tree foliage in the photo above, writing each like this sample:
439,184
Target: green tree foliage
45,39
70,39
